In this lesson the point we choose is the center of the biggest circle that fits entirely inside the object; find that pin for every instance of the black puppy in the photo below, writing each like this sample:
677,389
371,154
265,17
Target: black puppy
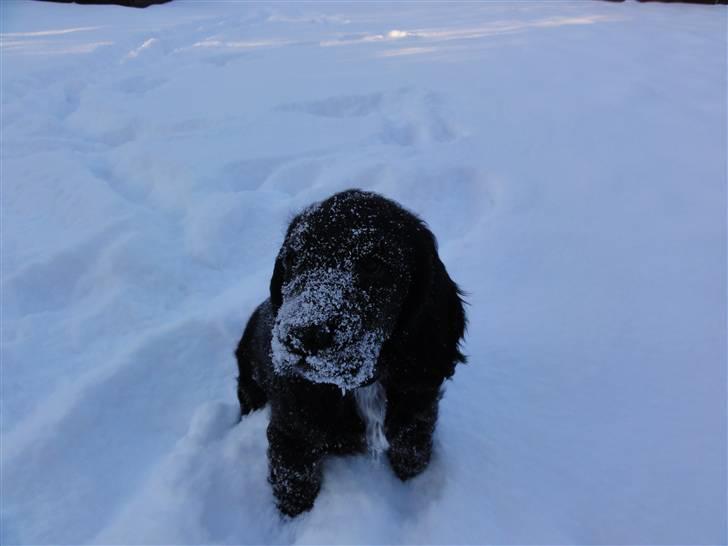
361,329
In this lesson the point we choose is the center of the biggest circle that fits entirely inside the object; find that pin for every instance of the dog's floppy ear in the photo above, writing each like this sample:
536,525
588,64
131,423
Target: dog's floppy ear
433,308
425,260
276,282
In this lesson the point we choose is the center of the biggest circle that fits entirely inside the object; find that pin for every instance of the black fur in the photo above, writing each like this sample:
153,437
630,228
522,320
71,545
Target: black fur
352,266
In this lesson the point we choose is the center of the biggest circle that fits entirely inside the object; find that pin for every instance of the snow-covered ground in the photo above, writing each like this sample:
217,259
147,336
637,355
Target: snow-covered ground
571,158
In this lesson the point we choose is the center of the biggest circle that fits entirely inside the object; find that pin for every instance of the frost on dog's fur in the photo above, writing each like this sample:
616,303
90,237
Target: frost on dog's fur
317,299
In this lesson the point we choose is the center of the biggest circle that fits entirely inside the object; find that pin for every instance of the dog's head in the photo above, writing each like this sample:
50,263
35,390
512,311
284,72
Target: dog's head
352,271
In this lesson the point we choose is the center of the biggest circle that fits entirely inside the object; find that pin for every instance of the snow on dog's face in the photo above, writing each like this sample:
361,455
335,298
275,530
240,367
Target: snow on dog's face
340,284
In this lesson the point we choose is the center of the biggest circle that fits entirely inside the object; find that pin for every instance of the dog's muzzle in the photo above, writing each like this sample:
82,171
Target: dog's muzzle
319,332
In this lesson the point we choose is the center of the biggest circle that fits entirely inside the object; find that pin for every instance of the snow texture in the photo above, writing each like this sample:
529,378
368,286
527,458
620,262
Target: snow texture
569,156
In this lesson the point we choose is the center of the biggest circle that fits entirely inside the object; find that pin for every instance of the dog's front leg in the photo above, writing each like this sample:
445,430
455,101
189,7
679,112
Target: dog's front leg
295,471
410,422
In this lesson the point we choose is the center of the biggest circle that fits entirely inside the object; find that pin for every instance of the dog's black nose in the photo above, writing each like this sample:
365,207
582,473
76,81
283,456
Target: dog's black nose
314,338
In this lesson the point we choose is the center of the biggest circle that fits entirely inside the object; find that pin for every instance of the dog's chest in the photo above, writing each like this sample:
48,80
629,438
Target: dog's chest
371,403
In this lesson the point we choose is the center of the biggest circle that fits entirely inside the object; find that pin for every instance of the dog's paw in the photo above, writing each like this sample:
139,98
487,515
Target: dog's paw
292,505
295,489
407,461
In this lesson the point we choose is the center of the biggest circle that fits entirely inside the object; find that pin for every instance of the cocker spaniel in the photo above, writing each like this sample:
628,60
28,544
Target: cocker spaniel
361,328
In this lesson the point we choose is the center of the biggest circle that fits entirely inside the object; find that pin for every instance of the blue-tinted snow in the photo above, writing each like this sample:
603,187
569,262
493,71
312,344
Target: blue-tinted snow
570,157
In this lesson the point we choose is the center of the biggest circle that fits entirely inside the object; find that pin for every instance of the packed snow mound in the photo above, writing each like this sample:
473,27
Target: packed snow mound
570,158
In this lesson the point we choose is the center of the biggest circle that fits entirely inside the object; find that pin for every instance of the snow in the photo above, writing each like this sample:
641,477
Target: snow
571,159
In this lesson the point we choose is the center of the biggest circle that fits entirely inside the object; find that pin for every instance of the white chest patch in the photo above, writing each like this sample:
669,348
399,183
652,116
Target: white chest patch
371,401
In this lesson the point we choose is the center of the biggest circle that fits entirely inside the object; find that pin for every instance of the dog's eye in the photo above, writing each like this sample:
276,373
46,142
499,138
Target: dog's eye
372,268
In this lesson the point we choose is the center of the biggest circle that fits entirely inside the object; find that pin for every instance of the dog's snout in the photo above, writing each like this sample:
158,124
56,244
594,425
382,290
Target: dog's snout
314,338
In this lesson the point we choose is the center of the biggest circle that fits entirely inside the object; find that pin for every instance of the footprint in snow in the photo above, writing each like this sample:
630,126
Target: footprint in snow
343,106
407,116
